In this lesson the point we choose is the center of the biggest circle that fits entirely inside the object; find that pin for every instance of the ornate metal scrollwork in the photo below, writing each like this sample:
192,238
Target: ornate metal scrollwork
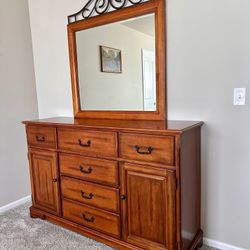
98,7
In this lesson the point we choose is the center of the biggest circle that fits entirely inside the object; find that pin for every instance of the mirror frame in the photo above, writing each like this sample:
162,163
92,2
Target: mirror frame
156,7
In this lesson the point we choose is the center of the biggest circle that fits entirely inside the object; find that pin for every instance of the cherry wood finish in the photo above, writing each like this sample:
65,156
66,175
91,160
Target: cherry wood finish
44,180
89,169
149,207
91,194
158,149
138,203
41,137
154,6
163,127
88,142
99,220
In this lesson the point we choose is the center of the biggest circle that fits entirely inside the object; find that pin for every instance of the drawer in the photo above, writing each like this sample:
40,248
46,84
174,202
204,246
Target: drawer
91,194
99,220
95,170
152,148
44,137
93,143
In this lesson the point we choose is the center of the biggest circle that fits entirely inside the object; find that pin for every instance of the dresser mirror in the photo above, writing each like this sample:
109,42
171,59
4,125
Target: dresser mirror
118,63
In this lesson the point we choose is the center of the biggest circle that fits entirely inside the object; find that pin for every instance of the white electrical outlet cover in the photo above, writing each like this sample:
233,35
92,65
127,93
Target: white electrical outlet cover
239,96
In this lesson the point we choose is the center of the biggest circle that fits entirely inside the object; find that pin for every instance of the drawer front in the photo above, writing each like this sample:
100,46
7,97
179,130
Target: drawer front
99,171
44,137
159,149
93,143
105,222
91,194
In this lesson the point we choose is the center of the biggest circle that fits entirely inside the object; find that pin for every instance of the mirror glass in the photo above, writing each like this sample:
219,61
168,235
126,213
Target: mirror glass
116,66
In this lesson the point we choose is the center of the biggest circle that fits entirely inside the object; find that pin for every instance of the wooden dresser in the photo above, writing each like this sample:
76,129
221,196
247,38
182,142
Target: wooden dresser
128,184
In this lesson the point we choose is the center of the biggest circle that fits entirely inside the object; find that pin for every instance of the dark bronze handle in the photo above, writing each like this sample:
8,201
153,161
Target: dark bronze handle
88,144
89,171
148,152
87,197
54,180
40,139
123,197
91,219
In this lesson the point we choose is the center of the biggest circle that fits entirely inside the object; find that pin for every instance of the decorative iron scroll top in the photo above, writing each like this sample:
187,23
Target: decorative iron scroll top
98,7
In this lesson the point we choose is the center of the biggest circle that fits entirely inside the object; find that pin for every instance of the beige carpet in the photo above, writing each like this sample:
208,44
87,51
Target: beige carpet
19,232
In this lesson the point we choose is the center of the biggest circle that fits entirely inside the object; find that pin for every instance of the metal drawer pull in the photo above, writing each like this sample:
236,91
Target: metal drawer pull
40,139
90,197
91,219
89,171
88,144
148,152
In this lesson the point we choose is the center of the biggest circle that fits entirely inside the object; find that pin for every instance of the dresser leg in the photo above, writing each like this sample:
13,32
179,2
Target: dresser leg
34,214
198,241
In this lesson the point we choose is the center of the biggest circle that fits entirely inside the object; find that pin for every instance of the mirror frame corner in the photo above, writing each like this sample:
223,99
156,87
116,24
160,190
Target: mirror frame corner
152,6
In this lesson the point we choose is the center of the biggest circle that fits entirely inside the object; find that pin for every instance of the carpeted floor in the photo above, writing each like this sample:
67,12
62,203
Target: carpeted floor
19,232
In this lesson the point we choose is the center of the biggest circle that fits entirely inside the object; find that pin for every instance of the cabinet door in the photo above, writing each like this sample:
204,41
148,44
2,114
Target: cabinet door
44,180
148,206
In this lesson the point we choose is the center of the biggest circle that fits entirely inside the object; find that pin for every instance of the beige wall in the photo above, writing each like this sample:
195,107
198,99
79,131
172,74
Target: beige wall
111,91
208,55
17,98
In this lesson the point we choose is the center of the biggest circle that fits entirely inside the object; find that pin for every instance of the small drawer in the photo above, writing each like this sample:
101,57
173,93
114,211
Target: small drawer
89,169
99,220
93,143
159,149
44,137
91,194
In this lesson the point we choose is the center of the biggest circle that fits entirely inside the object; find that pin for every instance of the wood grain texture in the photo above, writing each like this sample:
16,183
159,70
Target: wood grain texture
89,169
98,236
158,8
100,143
149,209
138,147
190,193
149,127
42,137
105,222
44,180
91,194
142,175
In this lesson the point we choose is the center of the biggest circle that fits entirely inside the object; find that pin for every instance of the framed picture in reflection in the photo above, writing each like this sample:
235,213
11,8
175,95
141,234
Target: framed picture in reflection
111,60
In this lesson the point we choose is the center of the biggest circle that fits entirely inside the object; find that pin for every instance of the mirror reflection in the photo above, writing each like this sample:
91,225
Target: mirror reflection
116,66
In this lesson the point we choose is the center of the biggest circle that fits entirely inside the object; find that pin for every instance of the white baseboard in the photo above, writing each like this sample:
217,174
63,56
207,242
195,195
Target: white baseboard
15,204
220,245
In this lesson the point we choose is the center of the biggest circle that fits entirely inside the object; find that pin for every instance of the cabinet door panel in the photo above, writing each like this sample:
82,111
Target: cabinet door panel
44,180
149,208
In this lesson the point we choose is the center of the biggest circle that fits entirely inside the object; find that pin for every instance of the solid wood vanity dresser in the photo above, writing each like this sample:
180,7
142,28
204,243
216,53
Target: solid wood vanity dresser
128,184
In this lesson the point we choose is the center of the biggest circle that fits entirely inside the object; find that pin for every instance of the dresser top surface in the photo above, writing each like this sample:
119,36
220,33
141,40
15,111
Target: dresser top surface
158,126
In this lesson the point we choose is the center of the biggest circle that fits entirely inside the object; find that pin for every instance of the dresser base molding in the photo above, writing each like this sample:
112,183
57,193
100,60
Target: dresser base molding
95,235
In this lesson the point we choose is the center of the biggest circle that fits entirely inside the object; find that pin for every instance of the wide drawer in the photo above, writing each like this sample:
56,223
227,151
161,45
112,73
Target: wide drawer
99,220
93,143
91,194
96,170
159,149
44,137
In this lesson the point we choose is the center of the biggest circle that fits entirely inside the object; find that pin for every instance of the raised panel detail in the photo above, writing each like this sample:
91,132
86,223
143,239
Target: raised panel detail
148,210
44,175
